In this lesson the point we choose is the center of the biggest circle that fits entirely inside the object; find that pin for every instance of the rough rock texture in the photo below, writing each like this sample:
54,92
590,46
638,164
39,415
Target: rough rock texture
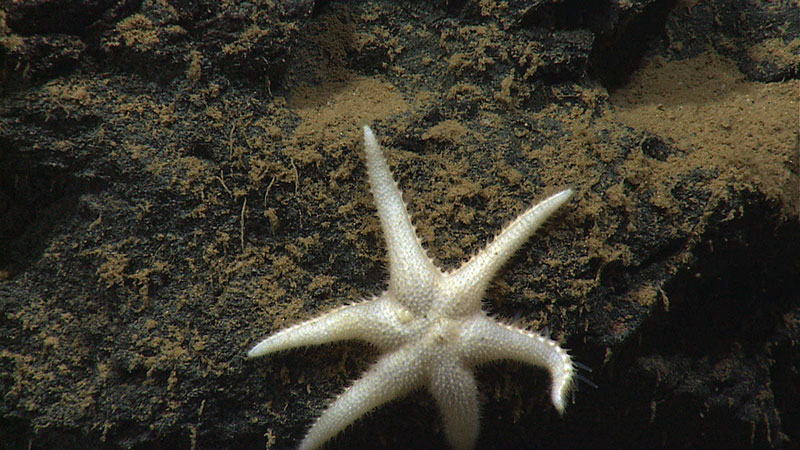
178,179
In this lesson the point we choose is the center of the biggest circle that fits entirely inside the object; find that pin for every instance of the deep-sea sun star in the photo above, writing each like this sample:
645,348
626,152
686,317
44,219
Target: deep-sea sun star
428,325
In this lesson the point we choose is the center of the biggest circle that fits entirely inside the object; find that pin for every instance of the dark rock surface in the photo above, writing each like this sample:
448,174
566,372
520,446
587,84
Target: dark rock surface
179,179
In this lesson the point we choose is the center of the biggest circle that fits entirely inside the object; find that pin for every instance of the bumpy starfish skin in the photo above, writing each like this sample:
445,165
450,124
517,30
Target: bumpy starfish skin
428,325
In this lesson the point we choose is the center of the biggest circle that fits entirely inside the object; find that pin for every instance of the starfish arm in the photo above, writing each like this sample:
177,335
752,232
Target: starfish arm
391,377
410,270
373,321
454,388
485,340
474,276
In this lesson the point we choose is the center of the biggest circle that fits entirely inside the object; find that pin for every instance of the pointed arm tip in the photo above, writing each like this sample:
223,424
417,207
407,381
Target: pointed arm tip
369,139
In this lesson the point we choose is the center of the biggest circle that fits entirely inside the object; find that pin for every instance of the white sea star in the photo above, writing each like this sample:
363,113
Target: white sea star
428,325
